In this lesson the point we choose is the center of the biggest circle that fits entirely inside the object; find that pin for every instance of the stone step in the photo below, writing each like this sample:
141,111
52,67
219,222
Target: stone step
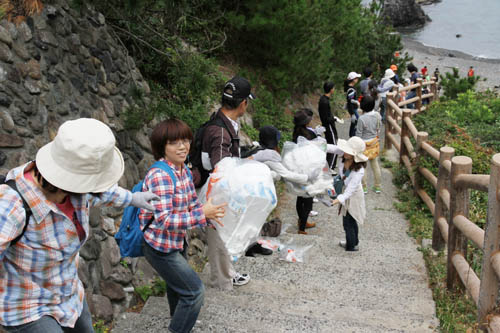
258,312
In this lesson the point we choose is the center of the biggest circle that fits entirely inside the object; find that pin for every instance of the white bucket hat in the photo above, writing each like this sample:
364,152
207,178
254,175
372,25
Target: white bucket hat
389,74
355,146
353,75
82,158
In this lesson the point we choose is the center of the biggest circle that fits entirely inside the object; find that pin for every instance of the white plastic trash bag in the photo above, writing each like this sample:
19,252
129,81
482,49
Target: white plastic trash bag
248,189
308,157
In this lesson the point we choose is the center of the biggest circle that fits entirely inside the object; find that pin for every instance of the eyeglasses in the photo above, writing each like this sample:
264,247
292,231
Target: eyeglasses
178,143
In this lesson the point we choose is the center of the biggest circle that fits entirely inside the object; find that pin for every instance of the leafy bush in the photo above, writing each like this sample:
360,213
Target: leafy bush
453,84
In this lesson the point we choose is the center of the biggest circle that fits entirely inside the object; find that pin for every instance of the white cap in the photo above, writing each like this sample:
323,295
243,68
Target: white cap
353,75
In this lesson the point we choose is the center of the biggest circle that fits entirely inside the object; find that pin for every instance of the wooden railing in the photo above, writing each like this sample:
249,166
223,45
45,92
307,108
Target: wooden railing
450,205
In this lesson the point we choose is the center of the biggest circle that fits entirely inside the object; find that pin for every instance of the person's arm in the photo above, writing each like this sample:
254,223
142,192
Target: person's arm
115,196
351,96
359,128
354,182
166,213
219,144
12,217
334,149
281,170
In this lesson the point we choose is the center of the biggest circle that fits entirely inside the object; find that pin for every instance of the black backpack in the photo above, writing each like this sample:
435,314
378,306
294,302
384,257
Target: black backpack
194,157
12,184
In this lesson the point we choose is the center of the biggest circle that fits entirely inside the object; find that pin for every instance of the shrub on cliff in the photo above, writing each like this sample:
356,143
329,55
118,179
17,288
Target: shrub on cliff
453,84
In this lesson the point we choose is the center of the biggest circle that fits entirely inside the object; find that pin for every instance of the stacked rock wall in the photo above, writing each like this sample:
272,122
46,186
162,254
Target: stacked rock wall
65,64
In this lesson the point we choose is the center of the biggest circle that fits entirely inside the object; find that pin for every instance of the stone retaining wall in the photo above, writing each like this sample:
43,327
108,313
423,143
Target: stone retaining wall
62,65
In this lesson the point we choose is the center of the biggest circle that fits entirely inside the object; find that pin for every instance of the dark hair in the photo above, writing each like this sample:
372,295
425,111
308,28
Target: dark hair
355,166
367,104
167,131
300,119
367,71
328,86
230,103
412,68
372,87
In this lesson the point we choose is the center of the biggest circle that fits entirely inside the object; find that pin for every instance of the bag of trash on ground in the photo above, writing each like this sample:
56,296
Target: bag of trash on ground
294,253
307,157
248,189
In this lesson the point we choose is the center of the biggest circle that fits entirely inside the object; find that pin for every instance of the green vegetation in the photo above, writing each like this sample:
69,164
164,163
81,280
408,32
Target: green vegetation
158,288
468,121
453,84
101,327
283,47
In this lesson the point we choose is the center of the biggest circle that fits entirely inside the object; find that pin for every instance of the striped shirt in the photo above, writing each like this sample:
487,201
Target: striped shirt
39,274
174,212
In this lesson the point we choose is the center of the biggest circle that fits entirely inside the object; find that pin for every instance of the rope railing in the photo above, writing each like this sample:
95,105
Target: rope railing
450,206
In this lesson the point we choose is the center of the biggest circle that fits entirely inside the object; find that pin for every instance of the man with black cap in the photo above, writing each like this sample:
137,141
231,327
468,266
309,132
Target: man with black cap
220,142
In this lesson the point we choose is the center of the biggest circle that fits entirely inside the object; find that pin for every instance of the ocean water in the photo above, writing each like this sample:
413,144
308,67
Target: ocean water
477,21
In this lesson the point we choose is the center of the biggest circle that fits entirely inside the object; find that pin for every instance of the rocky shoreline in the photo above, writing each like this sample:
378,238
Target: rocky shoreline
445,60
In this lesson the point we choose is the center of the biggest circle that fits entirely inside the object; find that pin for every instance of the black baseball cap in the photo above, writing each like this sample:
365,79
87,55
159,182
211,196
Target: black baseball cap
238,87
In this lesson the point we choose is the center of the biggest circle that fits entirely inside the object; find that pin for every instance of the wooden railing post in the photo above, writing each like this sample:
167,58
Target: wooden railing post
405,132
459,205
388,129
433,89
418,104
394,114
489,280
421,138
443,183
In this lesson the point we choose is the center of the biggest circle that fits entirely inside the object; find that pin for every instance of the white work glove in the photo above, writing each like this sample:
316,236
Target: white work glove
337,119
320,130
267,155
142,199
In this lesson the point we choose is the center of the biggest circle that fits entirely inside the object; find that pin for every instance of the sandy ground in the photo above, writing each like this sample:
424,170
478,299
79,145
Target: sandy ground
445,60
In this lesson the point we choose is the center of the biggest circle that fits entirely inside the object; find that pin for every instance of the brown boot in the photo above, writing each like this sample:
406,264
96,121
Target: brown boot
308,224
302,232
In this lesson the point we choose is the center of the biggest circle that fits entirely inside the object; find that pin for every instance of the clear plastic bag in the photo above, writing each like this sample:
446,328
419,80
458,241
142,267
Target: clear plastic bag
308,157
294,253
248,189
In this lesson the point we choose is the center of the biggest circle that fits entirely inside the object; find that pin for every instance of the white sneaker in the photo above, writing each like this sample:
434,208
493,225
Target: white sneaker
315,200
241,279
313,213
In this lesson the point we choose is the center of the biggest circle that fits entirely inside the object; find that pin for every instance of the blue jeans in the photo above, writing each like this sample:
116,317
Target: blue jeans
383,107
411,94
49,324
185,291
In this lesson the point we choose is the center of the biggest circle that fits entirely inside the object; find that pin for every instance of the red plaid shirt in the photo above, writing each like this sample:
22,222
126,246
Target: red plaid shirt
175,212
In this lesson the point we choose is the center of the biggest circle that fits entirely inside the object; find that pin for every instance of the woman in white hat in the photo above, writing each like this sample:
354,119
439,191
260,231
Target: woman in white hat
352,103
44,222
351,170
383,88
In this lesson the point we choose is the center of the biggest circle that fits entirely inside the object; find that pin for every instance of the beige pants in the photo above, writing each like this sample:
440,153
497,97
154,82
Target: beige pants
376,172
221,268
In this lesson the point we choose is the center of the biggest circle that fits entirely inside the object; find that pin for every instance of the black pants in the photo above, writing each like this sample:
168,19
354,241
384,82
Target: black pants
351,232
331,138
304,207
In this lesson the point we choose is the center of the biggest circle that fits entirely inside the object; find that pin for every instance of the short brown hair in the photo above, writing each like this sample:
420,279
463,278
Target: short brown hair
169,130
